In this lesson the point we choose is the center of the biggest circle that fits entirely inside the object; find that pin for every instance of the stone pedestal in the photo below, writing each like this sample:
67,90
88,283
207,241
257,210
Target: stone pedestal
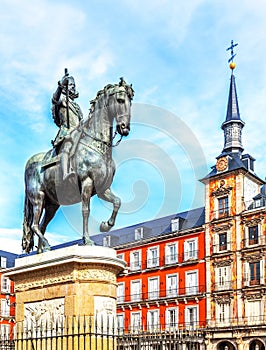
65,284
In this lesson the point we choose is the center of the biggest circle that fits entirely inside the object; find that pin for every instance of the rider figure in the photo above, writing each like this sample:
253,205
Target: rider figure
67,116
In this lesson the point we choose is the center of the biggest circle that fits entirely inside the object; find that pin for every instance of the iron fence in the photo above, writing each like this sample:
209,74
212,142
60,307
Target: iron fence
88,333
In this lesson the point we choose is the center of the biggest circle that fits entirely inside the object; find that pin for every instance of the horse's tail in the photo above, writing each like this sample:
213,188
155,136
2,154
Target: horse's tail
28,234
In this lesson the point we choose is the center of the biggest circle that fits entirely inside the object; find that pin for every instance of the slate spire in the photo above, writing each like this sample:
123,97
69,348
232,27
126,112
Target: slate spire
233,125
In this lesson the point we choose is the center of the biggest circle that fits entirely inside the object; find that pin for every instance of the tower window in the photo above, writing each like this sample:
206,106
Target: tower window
223,206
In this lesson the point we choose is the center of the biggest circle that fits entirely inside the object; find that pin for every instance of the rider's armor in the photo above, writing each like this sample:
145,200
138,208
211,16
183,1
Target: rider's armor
67,115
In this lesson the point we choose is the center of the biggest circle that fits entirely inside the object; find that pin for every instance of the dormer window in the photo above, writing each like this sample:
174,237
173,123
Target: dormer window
3,262
138,233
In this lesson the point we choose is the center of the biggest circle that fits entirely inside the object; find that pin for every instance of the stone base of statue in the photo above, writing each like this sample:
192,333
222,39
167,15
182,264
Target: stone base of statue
63,292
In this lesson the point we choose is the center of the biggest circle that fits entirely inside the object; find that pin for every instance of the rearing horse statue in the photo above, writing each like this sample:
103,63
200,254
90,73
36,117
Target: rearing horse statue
91,161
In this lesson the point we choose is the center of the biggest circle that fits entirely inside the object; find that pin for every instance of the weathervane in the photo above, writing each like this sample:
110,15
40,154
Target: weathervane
232,64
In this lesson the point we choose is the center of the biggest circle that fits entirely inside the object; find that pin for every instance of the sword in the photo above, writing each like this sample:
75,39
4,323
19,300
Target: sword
67,98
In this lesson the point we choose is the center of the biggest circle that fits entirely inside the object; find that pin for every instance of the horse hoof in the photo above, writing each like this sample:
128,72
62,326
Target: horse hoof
105,226
87,241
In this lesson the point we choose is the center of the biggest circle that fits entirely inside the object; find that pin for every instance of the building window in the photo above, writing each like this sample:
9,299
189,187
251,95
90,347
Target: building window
253,235
4,331
254,273
223,207
121,292
171,316
121,256
222,241
135,290
223,314
135,320
254,312
120,323
3,261
191,316
153,257
135,260
153,287
5,308
5,284
175,224
153,320
222,277
171,285
191,249
139,233
192,282
171,253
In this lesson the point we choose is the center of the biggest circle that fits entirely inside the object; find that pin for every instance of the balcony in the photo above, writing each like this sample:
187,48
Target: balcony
221,213
237,322
223,286
170,293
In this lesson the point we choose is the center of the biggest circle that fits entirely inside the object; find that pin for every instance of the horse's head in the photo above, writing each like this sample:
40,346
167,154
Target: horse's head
119,105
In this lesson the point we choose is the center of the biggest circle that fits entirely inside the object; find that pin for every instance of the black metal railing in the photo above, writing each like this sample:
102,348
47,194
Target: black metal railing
162,294
86,333
185,257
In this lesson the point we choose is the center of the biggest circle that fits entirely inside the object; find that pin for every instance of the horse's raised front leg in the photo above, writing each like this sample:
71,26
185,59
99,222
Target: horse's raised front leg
37,205
86,192
110,197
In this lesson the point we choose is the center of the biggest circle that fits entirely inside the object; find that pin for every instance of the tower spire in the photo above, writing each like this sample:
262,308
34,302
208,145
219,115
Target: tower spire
233,125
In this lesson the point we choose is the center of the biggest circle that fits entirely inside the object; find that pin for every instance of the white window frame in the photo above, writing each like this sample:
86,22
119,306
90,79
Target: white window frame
171,257
5,331
172,288
191,324
253,311
135,320
3,262
135,292
223,277
153,287
5,284
120,292
120,322
223,314
5,308
191,254
135,264
192,288
139,233
153,319
175,224
171,320
153,259
121,256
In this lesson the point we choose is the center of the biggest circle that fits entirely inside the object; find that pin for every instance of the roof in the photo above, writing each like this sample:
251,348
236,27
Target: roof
235,161
10,258
189,219
232,106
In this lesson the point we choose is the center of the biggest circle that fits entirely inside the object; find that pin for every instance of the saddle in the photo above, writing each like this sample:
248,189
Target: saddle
52,157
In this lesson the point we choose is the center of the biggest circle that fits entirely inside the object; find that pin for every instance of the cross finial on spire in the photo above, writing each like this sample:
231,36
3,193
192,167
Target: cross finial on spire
232,51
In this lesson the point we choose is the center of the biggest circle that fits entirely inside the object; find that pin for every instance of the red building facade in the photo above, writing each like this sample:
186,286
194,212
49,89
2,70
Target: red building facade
7,296
164,284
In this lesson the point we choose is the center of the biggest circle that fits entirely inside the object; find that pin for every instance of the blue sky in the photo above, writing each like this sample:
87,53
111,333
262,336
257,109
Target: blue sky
174,54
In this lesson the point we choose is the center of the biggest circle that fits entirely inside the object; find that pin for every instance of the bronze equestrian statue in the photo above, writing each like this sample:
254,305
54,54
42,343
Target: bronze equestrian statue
80,165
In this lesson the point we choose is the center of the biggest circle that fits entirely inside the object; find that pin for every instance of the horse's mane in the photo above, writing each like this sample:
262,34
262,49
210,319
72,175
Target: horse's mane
111,89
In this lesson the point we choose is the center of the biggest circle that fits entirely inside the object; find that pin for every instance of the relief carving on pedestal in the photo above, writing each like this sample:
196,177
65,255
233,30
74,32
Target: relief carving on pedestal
47,315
